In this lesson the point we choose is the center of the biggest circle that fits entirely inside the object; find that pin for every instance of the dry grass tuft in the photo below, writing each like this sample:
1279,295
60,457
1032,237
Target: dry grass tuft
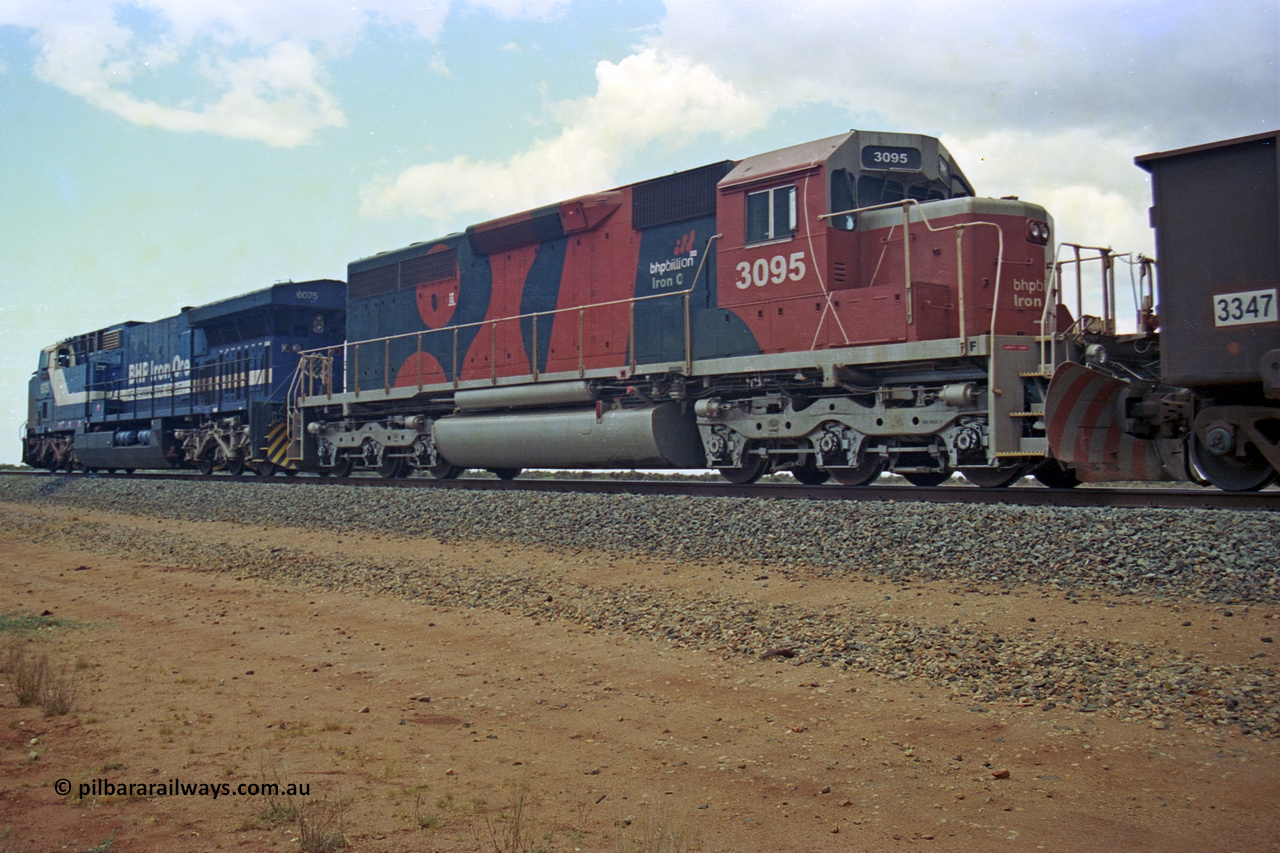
660,834
60,691
25,672
515,830
320,826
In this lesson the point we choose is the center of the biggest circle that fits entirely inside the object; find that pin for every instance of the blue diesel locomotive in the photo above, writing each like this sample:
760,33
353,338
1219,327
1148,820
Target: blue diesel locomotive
204,389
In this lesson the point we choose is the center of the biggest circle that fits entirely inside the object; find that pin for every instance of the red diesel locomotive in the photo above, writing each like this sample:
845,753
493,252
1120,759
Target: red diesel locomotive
835,309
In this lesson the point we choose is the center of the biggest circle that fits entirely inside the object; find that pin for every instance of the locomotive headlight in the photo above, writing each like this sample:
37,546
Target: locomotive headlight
1038,232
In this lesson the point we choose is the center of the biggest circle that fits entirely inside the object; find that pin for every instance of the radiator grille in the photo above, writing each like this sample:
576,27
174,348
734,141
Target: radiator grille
675,198
403,275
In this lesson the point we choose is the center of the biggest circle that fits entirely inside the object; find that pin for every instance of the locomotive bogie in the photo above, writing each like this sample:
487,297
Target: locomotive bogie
390,446
224,444
52,452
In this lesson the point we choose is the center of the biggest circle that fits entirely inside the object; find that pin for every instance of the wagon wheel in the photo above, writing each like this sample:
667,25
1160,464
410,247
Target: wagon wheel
927,479
1050,473
995,478
748,472
235,467
810,474
264,468
861,474
205,467
1232,472
506,473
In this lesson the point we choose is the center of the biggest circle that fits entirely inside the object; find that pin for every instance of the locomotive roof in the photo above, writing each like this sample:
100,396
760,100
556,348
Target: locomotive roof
785,160
329,293
1145,160
934,162
413,250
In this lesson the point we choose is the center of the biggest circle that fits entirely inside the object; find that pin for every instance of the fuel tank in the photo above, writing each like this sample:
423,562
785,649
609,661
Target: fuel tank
122,449
659,436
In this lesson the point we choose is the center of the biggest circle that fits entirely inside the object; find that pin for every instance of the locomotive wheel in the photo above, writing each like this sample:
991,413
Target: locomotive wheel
391,467
1233,473
995,478
863,473
445,471
927,479
810,474
1050,473
753,469
340,468
506,473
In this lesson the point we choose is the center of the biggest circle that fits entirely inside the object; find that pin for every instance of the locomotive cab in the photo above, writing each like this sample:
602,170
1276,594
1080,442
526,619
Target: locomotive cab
813,254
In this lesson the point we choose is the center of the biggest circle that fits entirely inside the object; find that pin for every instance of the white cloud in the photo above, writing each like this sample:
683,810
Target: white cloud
1050,101
535,9
646,98
259,66
564,166
437,65
1070,91
277,97
1191,70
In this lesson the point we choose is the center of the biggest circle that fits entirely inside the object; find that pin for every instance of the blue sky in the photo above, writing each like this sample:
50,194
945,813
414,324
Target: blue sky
164,153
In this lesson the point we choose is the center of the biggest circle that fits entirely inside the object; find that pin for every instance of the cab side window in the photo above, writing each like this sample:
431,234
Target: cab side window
771,214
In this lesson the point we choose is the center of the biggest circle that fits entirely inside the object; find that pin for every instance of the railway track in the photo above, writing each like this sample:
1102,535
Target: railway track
957,492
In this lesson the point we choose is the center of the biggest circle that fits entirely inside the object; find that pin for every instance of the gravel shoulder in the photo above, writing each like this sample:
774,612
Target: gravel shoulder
658,666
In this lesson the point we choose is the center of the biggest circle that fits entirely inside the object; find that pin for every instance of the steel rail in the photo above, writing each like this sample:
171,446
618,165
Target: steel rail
1025,495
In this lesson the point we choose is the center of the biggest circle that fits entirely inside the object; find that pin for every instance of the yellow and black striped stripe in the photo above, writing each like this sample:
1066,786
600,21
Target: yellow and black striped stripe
276,449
